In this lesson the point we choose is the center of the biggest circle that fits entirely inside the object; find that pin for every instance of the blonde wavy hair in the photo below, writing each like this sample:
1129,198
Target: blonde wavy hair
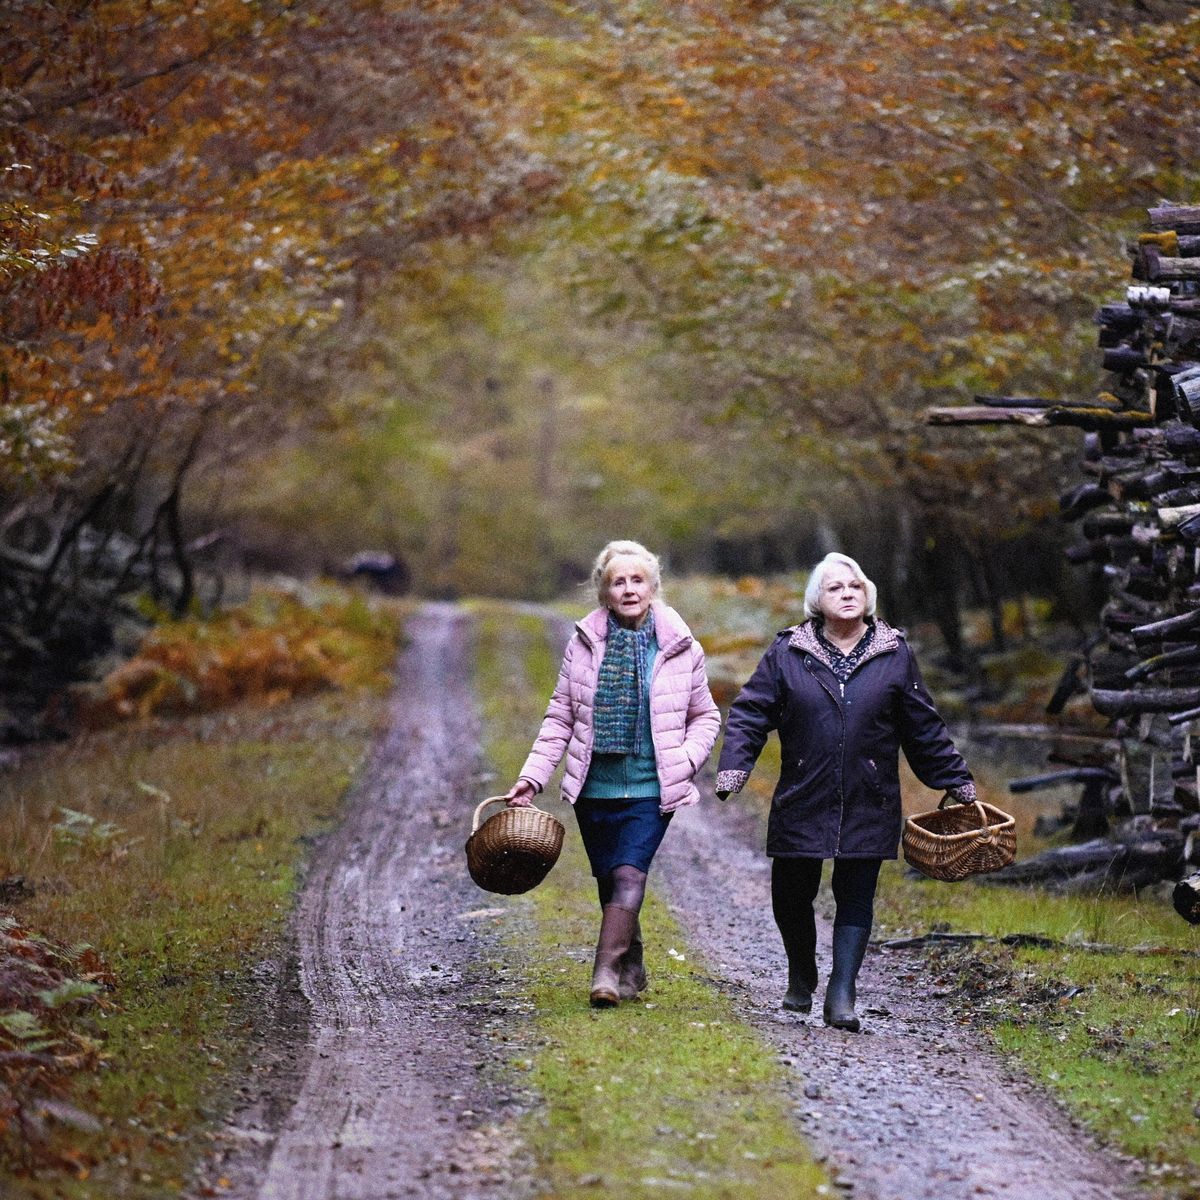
636,550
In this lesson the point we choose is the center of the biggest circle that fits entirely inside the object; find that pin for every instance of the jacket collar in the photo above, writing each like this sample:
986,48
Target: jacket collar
670,629
804,638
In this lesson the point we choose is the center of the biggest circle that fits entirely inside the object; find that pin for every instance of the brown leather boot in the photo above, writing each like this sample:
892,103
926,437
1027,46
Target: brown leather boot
633,970
616,932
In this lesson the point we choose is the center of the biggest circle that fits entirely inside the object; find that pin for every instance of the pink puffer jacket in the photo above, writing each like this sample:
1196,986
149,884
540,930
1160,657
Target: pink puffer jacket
684,718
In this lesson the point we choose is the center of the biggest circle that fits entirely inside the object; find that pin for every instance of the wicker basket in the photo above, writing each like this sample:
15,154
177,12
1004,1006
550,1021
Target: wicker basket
514,849
952,842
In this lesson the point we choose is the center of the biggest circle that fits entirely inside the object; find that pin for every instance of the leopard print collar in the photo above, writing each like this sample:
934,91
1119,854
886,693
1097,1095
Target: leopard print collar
804,638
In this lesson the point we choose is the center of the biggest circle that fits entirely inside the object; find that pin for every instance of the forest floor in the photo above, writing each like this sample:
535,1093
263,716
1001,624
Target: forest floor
386,1069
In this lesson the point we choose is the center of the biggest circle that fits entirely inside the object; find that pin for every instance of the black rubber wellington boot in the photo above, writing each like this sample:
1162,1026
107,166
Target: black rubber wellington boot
802,982
798,928
849,946
802,969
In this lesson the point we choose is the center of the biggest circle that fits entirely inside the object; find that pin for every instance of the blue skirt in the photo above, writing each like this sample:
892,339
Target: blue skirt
621,832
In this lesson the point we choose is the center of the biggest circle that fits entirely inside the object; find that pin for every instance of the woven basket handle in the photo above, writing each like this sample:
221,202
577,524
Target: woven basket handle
948,799
985,833
475,821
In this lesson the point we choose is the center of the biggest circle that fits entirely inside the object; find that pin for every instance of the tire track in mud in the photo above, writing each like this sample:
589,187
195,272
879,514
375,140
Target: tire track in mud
917,1107
387,1077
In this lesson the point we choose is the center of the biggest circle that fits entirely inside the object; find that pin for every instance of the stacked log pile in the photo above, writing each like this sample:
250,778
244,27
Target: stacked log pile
1138,513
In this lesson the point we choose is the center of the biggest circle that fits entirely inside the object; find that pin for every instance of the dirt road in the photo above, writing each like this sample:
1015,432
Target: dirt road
385,1078
384,1073
916,1107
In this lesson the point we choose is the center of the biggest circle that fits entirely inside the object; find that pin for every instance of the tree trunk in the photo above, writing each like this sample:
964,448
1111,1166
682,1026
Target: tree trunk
1178,217
1079,415
985,567
942,590
1116,703
1091,818
1100,865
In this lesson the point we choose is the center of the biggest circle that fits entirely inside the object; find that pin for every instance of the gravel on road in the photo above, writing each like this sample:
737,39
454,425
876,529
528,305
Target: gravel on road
915,1107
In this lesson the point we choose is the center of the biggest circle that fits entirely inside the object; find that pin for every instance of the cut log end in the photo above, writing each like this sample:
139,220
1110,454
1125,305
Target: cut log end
1186,898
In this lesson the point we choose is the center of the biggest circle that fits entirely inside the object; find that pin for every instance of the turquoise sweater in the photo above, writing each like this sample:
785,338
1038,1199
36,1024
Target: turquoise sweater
619,776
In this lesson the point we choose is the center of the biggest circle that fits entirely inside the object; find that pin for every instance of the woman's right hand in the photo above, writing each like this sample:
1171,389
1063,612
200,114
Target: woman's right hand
520,795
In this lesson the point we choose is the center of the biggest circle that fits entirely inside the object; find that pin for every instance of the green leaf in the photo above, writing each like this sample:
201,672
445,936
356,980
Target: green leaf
68,991
23,1026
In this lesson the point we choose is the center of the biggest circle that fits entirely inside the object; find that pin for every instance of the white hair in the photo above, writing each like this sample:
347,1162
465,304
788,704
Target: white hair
812,593
633,550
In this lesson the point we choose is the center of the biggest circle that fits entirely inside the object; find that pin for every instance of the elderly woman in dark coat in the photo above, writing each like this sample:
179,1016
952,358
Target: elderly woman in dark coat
845,695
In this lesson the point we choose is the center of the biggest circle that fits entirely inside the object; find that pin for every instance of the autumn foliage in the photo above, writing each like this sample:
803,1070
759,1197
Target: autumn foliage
46,991
219,223
191,191
843,211
275,647
781,231
196,202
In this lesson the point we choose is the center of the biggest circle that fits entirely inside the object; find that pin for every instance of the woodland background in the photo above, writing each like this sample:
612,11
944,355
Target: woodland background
482,285
479,286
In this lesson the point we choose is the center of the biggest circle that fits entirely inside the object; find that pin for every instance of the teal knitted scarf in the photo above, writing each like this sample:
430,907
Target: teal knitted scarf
621,686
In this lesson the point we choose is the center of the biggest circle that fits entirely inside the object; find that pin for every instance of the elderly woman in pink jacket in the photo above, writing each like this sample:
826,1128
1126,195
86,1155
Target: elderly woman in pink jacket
634,716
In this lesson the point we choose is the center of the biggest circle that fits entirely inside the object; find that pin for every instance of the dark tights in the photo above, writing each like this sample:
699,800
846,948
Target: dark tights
624,886
794,884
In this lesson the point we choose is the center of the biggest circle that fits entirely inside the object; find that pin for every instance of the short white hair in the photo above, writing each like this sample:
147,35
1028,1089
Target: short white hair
812,593
633,550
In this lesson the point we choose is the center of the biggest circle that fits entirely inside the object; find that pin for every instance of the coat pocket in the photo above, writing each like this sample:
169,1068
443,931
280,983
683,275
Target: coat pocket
793,793
884,791
801,782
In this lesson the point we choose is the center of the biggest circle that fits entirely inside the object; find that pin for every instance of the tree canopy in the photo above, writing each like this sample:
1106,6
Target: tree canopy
488,282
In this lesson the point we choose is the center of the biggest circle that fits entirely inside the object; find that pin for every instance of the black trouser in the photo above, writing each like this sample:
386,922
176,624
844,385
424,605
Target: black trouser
794,886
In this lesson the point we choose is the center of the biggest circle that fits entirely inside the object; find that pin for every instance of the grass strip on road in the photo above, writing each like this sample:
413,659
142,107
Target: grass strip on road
669,1093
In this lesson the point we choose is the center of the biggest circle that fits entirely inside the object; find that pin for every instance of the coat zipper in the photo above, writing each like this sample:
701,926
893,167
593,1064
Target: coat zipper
842,745
841,758
676,647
